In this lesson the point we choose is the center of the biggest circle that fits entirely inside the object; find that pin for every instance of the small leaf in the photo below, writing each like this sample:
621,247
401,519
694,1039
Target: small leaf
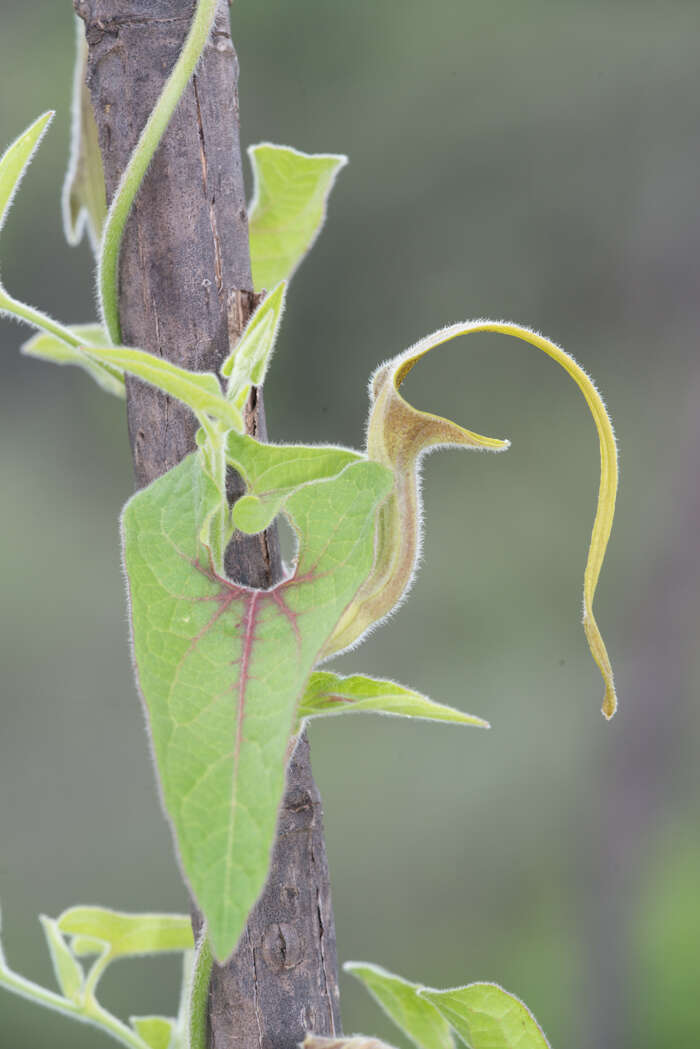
86,946
222,669
200,391
16,159
13,166
399,999
288,208
83,201
248,362
487,1017
156,1031
329,694
49,347
271,472
126,934
69,974
398,435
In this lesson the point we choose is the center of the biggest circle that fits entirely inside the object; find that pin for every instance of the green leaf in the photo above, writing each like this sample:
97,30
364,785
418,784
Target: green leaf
222,669
248,362
288,209
330,694
69,974
84,202
271,472
16,159
126,934
13,166
399,999
398,435
156,1031
49,347
487,1017
200,391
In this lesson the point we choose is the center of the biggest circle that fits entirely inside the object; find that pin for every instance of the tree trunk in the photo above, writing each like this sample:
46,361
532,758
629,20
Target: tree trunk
186,294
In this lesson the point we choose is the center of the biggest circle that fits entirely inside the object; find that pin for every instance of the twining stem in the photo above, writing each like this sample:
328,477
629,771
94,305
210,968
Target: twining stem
149,140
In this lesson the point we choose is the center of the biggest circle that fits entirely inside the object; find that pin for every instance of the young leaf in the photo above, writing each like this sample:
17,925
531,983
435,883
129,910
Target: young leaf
288,209
272,471
13,166
49,347
248,362
415,1016
69,974
487,1017
398,435
222,669
156,1031
329,694
200,391
126,934
16,159
83,202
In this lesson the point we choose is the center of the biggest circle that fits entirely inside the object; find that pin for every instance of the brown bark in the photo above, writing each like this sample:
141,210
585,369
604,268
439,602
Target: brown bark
185,294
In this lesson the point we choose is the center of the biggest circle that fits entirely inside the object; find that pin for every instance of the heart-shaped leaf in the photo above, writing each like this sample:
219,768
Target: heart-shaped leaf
222,669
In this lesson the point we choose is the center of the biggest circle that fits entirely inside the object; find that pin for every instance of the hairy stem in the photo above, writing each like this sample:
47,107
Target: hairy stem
91,1012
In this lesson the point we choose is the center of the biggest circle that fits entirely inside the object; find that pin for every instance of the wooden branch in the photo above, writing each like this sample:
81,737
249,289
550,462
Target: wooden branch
186,294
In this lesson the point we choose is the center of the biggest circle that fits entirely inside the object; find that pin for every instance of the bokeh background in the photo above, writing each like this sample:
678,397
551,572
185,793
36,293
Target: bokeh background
536,160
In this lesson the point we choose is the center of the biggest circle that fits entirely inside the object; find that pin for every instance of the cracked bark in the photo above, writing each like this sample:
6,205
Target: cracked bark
185,294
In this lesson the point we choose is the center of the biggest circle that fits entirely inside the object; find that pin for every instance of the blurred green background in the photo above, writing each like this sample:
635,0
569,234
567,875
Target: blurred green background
536,160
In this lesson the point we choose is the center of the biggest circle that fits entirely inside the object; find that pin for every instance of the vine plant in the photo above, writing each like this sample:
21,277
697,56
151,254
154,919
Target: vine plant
228,675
